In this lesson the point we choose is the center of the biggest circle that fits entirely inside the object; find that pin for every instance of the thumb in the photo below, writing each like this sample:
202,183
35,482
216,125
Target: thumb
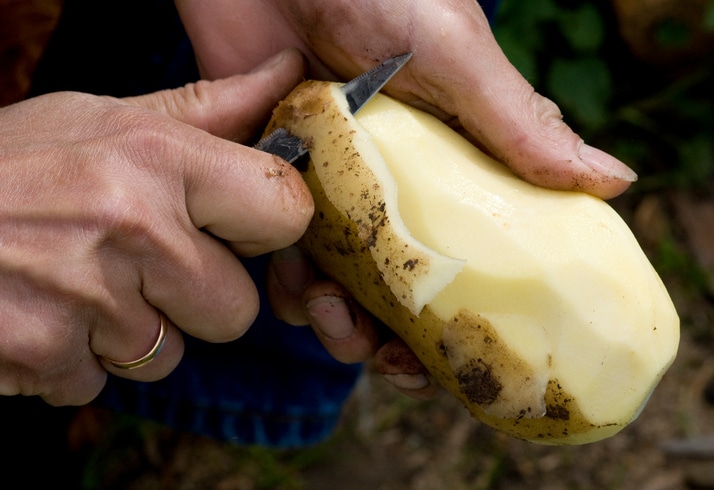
253,200
467,75
234,108
526,131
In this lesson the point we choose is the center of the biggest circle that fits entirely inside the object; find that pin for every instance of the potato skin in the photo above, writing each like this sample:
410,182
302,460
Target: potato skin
332,242
341,247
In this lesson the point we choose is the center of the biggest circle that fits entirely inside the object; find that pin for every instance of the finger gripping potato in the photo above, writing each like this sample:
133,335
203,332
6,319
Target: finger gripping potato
536,308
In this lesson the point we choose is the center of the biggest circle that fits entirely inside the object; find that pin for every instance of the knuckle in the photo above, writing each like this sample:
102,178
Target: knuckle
189,103
121,214
125,191
546,111
195,94
145,137
538,138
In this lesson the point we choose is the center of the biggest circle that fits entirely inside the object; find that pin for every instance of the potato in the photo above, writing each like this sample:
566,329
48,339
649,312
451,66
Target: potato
537,308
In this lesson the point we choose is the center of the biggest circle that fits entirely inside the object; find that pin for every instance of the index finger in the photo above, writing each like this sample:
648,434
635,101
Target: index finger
252,199
256,201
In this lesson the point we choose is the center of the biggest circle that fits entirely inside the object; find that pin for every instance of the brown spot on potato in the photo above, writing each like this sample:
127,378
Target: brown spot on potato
557,412
410,264
477,383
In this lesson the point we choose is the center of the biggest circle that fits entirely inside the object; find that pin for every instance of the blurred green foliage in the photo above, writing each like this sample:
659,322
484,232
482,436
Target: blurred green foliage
658,119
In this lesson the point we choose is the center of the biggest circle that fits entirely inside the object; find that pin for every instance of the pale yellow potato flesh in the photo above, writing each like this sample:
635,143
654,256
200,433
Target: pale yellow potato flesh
537,308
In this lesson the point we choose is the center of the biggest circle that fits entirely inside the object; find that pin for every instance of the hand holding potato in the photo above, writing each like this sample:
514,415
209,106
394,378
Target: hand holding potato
536,308
458,73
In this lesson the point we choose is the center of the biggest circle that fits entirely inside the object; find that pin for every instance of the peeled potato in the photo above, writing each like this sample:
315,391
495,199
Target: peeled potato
537,308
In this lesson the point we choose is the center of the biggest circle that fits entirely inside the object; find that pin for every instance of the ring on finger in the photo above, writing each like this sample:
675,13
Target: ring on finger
150,356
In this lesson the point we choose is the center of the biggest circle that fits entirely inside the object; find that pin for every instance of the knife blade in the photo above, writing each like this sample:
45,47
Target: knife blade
358,92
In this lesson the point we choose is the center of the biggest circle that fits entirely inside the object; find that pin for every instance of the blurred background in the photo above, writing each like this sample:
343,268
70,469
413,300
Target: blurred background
633,77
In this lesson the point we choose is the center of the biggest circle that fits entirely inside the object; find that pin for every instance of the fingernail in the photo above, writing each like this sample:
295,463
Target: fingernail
606,164
331,316
407,381
292,270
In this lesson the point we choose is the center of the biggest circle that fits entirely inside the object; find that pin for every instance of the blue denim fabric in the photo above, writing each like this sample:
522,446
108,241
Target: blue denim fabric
276,386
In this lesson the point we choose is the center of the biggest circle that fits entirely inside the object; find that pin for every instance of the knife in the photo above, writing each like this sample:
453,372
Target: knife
358,92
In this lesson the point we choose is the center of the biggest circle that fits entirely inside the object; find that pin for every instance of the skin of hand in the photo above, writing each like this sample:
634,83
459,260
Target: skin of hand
458,73
113,209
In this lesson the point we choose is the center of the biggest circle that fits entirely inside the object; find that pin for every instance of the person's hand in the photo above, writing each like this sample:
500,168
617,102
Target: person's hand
112,211
458,72
300,297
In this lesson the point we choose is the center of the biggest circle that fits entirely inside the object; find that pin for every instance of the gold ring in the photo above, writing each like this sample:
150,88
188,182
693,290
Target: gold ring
150,356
